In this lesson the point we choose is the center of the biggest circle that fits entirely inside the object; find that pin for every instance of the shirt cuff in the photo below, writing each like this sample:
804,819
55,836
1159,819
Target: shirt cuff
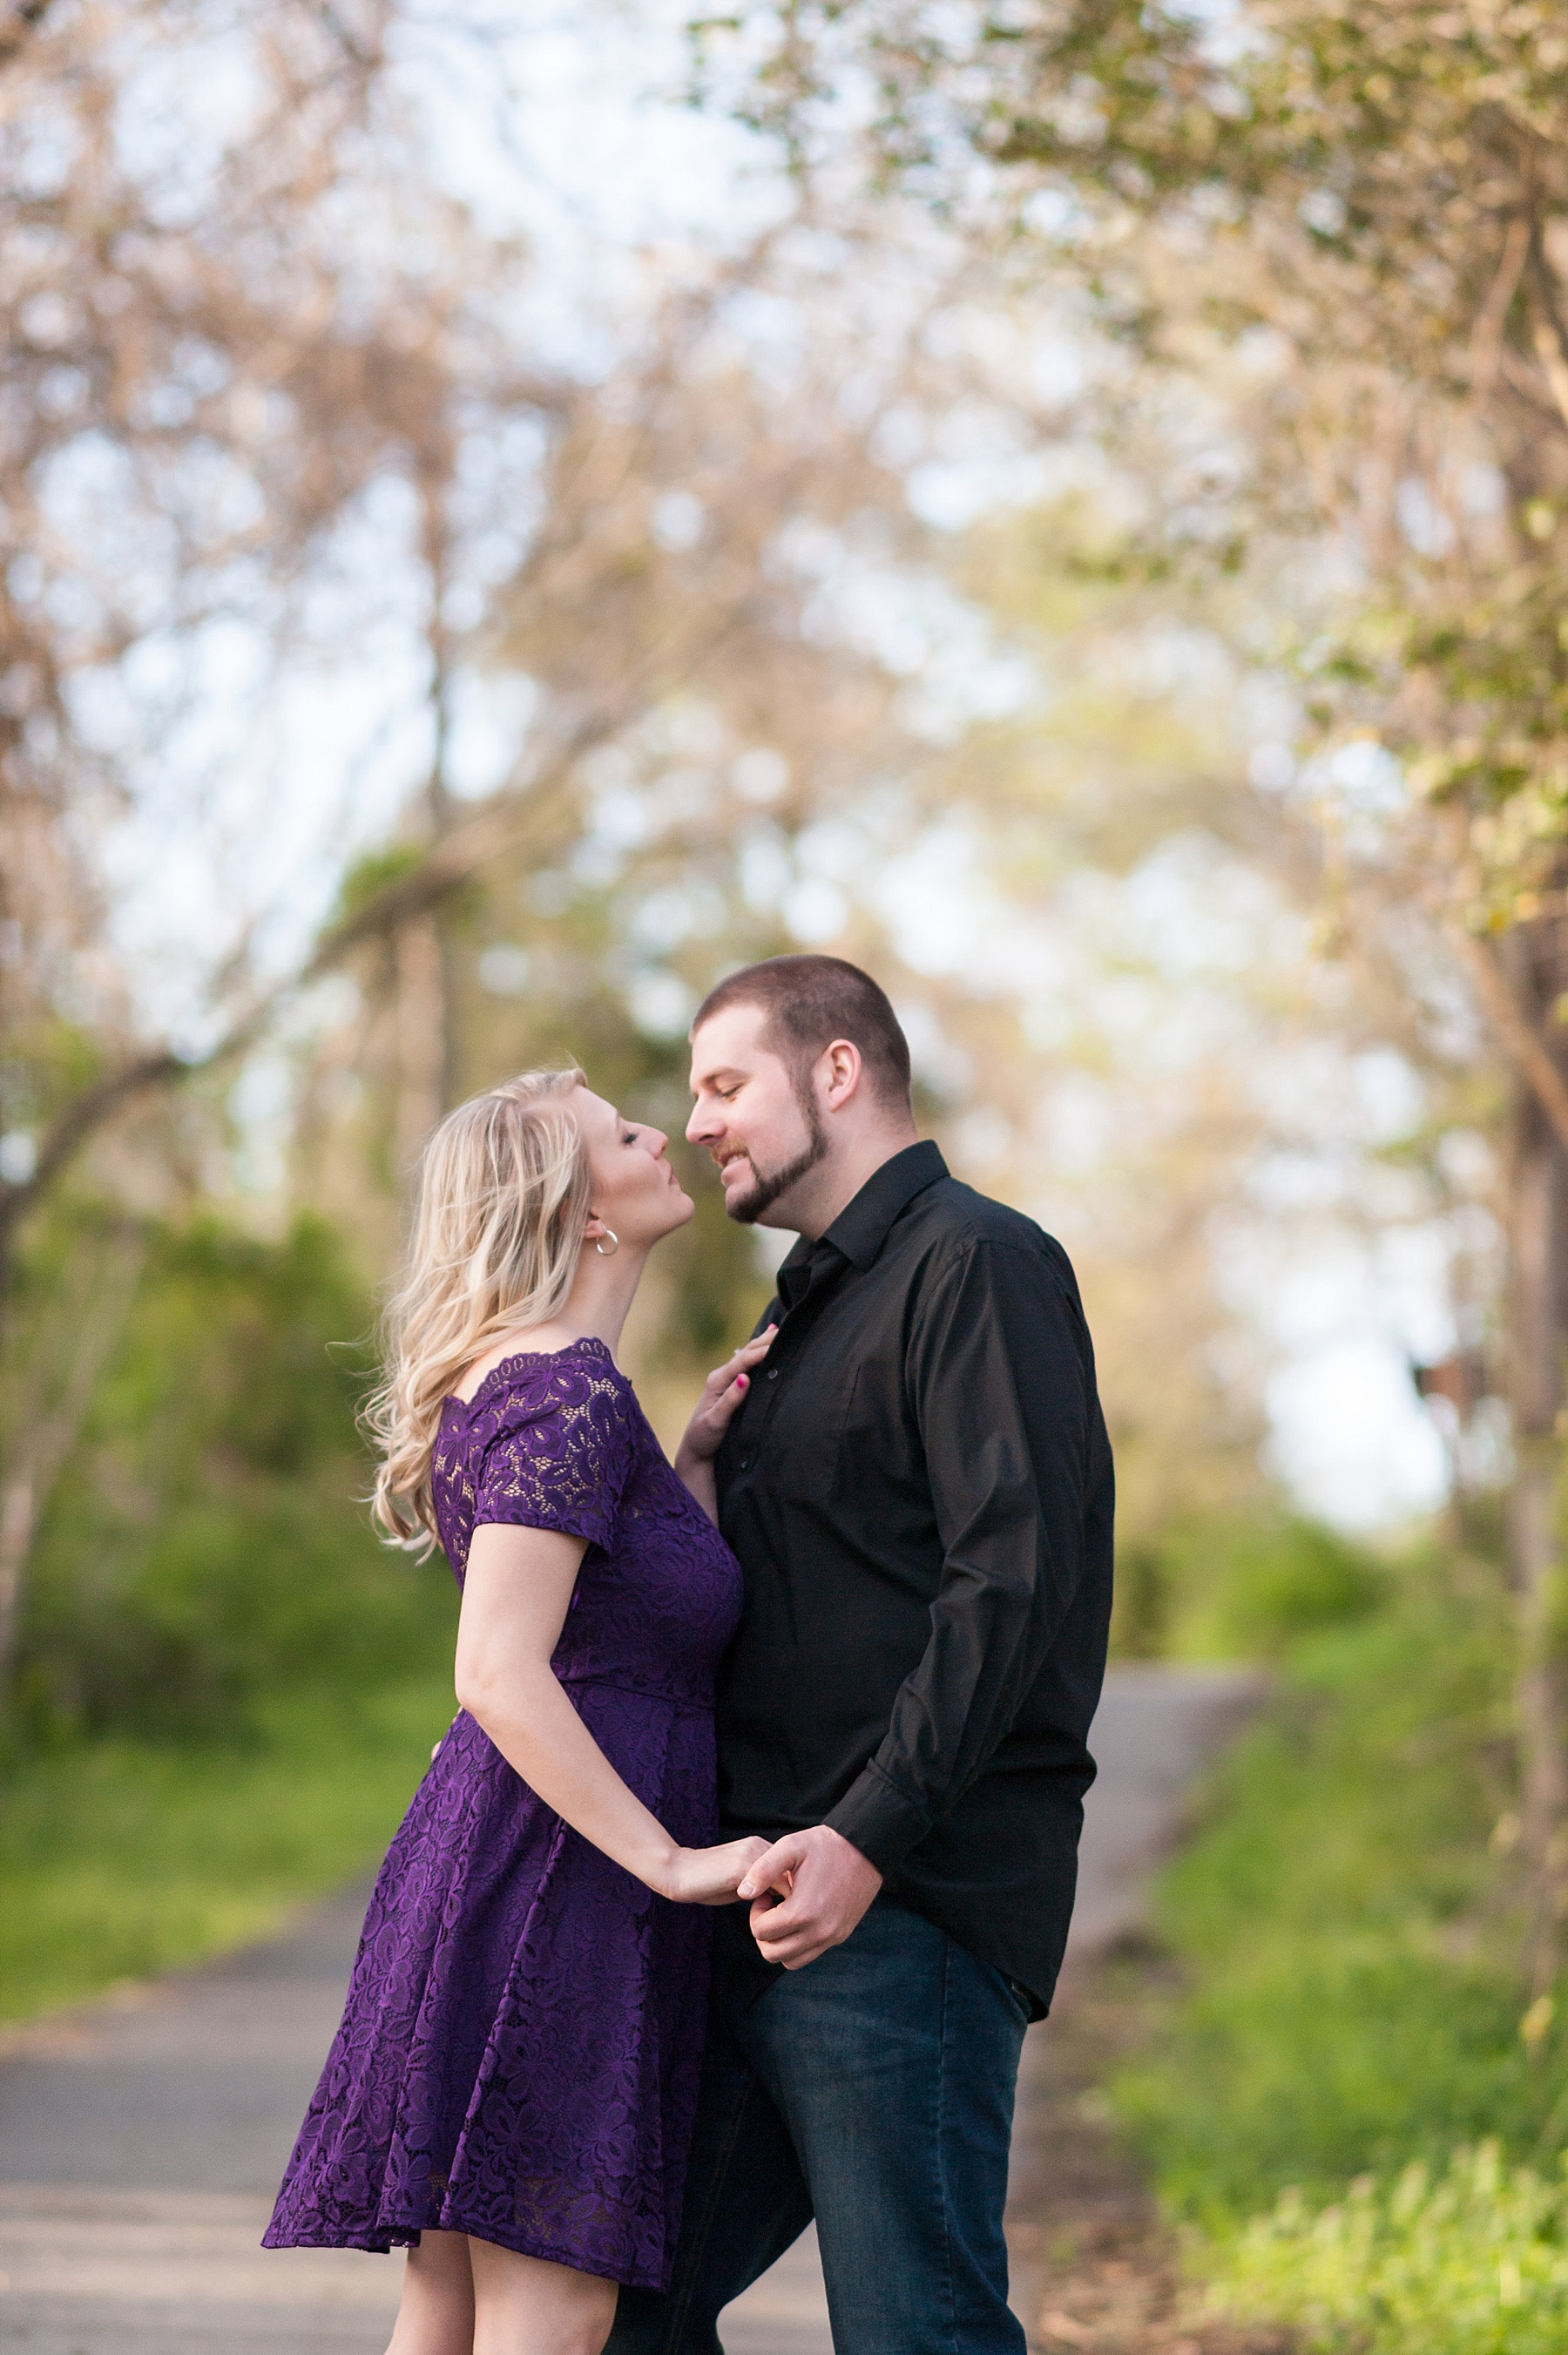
875,1816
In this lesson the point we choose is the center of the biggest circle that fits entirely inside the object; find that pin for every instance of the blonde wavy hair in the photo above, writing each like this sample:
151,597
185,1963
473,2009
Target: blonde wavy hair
498,1229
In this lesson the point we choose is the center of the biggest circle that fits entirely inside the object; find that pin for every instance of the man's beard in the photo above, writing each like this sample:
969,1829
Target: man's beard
767,1185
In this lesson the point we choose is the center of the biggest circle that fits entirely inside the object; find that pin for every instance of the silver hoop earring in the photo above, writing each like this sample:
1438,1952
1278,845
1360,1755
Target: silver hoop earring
609,1237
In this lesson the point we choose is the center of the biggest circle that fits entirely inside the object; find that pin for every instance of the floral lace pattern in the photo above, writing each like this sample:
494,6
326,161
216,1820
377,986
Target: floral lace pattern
519,2054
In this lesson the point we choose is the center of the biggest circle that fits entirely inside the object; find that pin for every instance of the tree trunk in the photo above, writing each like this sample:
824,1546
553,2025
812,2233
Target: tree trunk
443,919
1537,1352
421,1043
17,1519
73,1349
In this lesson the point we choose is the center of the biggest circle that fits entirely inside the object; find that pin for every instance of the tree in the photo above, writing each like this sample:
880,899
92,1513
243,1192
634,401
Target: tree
734,686
207,369
189,409
1348,230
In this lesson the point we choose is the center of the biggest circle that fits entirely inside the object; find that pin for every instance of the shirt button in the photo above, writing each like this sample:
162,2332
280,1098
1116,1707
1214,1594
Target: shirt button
772,1373
745,1463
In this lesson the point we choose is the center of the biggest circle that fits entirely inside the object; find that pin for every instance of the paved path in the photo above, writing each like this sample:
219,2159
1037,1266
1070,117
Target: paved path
141,2139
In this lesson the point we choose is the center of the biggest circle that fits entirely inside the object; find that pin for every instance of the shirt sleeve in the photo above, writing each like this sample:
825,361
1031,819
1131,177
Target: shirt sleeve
560,1460
1002,1379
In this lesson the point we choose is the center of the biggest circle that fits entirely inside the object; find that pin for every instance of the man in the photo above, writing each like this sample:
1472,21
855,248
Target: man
918,1489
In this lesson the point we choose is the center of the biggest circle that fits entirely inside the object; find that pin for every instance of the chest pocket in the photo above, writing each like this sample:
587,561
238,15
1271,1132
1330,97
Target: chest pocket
876,1448
797,1439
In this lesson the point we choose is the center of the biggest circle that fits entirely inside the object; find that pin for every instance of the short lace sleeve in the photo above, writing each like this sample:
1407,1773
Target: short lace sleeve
561,1452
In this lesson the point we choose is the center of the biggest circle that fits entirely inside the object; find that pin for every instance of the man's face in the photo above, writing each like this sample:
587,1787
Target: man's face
763,1132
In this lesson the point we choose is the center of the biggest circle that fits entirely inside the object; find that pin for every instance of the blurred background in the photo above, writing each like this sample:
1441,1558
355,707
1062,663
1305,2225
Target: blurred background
507,514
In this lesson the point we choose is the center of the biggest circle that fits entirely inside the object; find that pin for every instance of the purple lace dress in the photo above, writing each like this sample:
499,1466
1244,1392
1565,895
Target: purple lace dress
519,2054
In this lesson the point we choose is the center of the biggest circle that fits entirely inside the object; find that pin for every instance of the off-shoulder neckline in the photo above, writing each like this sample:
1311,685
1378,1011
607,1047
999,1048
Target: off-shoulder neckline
531,1357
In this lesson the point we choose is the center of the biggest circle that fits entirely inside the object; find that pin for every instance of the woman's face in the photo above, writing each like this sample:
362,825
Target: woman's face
634,1191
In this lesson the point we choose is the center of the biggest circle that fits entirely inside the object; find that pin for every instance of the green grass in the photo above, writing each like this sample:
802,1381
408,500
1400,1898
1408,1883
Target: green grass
1335,2094
121,1857
1347,1951
1472,2261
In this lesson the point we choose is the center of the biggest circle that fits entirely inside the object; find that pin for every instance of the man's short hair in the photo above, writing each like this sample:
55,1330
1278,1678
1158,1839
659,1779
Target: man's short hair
809,1001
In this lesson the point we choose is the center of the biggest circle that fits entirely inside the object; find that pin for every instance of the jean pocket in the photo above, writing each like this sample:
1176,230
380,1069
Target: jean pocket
1019,1996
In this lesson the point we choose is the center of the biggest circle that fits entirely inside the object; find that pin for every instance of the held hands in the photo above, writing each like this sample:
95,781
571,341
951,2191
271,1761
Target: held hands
711,1876
721,1394
808,1892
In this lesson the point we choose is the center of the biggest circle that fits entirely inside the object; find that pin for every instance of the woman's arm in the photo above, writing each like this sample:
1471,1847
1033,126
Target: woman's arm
721,1394
515,1600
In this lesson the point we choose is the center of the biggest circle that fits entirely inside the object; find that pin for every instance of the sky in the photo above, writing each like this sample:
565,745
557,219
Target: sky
592,157
569,134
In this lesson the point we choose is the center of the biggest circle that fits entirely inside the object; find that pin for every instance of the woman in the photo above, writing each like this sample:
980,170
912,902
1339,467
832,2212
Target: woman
511,2091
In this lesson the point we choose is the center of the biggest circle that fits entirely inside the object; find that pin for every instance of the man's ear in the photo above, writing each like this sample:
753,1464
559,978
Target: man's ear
843,1067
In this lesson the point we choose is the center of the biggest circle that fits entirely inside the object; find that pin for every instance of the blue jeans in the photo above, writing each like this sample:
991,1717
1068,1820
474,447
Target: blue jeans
873,2090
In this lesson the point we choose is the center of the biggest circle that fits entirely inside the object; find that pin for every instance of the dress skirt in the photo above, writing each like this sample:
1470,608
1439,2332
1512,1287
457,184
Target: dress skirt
517,2057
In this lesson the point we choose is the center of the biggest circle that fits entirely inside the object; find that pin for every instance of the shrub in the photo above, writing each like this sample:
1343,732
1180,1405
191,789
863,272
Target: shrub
1347,1958
1243,1587
206,1544
1472,2261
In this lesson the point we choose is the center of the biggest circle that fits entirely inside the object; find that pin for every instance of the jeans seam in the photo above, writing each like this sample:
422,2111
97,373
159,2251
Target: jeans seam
680,2307
942,2183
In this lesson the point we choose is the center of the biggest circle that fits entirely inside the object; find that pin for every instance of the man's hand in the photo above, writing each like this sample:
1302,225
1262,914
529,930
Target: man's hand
825,1884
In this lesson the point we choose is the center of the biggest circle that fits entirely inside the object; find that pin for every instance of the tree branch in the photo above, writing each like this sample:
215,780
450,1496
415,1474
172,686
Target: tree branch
91,1319
1531,1057
25,18
449,863
1486,338
1549,352
88,1111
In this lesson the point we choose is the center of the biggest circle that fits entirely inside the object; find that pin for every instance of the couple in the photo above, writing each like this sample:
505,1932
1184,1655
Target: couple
593,2108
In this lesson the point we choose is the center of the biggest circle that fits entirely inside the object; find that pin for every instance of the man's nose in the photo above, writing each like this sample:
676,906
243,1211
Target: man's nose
701,1125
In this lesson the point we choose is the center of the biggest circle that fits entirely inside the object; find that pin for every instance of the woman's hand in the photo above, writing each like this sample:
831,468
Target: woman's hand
721,1393
711,1876
515,1600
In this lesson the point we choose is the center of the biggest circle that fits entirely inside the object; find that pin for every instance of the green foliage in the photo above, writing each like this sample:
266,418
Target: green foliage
46,1061
719,1292
1254,1587
1380,190
122,1856
1348,1962
1474,2262
1141,1613
1241,1587
372,874
714,1290
206,1544
1393,109
225,1689
1349,2001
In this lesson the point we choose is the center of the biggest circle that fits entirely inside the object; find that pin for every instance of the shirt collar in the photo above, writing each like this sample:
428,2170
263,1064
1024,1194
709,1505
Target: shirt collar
863,1225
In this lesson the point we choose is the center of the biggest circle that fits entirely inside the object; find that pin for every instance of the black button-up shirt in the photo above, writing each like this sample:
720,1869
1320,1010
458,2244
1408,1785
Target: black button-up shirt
918,1489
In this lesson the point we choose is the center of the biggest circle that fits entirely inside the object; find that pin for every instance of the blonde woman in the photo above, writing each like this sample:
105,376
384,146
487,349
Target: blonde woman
511,2091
